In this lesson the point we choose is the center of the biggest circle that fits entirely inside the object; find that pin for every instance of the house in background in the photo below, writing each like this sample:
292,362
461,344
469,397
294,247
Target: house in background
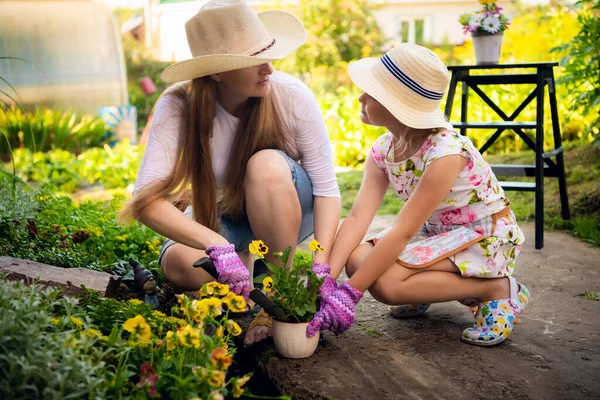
424,22
416,21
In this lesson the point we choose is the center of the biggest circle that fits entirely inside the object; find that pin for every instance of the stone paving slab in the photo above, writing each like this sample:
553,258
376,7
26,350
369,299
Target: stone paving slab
553,354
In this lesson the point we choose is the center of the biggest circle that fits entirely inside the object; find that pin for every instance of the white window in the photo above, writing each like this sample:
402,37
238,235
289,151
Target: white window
413,30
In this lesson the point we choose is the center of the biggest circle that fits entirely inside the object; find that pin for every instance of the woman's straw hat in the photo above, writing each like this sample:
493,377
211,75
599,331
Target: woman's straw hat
409,80
227,35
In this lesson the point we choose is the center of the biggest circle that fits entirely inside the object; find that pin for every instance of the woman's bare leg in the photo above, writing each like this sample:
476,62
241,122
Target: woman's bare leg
176,264
273,210
272,203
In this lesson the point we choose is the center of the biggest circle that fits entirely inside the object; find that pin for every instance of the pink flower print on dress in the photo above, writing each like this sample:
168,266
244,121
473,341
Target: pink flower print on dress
479,230
475,180
470,165
458,216
485,191
377,156
422,254
426,146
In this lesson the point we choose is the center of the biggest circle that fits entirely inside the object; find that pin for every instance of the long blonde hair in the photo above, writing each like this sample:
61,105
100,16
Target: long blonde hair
192,179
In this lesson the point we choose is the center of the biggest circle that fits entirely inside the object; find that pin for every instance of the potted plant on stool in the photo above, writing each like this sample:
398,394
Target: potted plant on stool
487,27
294,292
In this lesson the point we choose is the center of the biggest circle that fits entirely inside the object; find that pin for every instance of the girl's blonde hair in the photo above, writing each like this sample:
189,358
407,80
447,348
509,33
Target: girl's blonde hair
410,139
192,179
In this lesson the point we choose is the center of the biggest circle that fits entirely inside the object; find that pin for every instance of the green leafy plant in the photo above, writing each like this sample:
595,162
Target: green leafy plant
111,167
582,66
294,289
41,226
42,352
57,347
47,129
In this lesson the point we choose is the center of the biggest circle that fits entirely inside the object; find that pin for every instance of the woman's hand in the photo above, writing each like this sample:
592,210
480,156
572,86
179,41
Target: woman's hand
230,268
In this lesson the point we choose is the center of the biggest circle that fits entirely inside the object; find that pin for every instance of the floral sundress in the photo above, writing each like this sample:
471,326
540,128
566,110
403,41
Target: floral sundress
473,225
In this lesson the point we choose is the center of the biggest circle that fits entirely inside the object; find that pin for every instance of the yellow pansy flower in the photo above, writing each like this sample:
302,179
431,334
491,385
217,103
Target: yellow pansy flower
258,247
189,336
55,321
234,302
135,302
212,305
220,359
197,311
222,289
213,288
233,328
171,340
268,284
216,379
314,245
139,327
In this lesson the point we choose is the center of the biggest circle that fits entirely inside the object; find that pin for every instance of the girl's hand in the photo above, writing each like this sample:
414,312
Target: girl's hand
322,271
337,310
230,268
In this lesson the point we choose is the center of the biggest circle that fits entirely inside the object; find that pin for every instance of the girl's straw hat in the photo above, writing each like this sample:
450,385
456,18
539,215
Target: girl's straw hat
409,80
227,35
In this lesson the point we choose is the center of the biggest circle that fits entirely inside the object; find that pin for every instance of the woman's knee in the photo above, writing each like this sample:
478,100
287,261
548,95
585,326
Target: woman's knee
267,169
176,265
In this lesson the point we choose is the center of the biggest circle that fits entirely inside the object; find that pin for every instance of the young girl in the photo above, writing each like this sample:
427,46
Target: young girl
245,148
455,238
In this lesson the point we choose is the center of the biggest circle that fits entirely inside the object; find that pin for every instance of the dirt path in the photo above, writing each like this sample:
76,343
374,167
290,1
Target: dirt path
553,354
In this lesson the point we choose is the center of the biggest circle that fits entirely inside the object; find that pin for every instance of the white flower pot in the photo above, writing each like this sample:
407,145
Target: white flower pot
487,47
291,340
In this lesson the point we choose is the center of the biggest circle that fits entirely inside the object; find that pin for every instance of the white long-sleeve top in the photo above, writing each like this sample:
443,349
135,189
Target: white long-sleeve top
299,112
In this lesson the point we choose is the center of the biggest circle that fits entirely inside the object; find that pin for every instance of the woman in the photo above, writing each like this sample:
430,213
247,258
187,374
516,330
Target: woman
241,148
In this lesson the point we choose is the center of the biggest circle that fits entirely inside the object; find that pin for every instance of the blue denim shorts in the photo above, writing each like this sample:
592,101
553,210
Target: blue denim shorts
240,232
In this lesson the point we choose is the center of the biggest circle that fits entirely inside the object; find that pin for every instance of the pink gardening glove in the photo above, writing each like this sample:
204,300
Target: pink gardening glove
329,285
337,310
230,268
321,269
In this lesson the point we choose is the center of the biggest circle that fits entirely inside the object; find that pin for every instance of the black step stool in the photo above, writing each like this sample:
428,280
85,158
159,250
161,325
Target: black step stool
544,163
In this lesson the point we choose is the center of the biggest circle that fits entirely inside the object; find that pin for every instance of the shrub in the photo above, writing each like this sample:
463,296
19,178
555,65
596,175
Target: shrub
47,129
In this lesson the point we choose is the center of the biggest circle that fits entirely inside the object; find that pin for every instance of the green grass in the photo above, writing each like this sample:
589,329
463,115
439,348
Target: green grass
593,295
582,163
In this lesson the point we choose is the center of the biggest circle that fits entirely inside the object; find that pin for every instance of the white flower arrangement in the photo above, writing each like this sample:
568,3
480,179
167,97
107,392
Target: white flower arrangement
488,21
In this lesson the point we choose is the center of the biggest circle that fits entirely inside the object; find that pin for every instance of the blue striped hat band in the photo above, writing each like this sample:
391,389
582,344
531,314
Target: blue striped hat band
408,81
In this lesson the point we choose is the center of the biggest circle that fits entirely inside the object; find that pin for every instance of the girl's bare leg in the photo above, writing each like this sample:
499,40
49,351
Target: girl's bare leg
437,283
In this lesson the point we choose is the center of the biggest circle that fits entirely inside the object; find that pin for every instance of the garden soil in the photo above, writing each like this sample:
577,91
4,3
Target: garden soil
553,354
